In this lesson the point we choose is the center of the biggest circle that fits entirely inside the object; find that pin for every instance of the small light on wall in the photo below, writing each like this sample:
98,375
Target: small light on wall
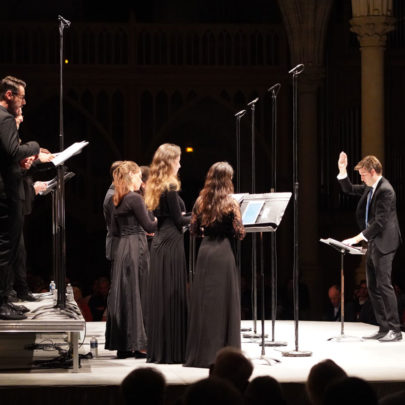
66,61
189,149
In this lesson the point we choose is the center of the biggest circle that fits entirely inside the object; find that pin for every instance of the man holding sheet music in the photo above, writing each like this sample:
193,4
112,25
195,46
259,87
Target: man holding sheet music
14,156
377,218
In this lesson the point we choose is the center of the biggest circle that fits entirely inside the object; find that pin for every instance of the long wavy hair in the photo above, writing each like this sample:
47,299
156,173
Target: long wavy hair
214,200
123,180
161,177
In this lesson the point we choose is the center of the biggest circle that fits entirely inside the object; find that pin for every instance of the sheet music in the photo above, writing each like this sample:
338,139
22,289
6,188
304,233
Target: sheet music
73,149
354,250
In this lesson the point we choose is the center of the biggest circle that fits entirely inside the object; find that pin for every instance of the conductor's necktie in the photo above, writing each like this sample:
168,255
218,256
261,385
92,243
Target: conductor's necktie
370,194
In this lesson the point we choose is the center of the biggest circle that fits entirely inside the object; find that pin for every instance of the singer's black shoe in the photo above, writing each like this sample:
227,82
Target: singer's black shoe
123,354
139,355
26,296
19,308
10,314
391,336
376,336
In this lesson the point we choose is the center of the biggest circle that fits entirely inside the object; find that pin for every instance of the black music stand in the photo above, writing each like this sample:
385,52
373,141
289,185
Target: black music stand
343,249
263,213
72,311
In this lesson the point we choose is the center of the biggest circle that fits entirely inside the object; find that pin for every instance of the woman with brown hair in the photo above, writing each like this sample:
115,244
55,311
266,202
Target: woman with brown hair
167,309
125,330
215,296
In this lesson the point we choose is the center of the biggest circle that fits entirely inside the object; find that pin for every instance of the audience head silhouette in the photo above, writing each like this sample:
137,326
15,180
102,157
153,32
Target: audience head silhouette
144,386
264,390
212,391
348,391
233,366
320,376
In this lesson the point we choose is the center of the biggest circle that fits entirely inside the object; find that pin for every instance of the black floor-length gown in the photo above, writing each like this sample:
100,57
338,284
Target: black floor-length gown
125,329
167,307
215,293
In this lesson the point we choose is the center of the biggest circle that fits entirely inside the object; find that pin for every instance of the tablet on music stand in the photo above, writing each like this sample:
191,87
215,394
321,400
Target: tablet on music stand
252,211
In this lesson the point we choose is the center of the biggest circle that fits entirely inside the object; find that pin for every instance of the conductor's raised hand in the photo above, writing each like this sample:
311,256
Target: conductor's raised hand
342,163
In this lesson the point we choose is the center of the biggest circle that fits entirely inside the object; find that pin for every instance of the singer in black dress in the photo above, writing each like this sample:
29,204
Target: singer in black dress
167,300
215,292
125,329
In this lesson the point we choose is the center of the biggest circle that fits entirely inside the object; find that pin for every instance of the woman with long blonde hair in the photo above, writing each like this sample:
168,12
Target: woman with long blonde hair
215,296
167,309
125,329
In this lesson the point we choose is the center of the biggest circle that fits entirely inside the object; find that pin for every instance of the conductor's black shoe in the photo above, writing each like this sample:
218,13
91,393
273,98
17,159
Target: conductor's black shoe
376,336
140,355
26,296
10,314
123,354
19,308
391,336
12,296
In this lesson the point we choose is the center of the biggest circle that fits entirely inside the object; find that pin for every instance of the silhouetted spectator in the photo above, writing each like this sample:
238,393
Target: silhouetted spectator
230,364
212,391
98,299
398,398
144,386
286,309
264,390
350,391
320,376
333,312
82,304
364,309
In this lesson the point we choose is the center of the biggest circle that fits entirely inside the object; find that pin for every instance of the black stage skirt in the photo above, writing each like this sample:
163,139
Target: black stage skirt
215,303
167,298
125,328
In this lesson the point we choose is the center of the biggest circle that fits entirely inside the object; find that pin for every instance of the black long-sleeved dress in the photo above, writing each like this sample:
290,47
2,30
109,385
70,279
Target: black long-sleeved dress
215,292
125,329
167,308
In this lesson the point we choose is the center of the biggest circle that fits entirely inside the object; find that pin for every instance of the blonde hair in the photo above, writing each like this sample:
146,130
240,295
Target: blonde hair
122,179
369,163
161,177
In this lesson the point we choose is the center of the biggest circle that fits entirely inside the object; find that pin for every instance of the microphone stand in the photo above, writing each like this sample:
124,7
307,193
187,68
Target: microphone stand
60,235
254,334
274,92
239,115
296,71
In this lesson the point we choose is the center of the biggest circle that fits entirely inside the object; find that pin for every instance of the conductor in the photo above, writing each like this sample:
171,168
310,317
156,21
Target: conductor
376,216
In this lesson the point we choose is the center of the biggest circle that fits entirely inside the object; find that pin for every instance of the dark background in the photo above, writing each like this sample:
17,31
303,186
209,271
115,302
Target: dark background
146,73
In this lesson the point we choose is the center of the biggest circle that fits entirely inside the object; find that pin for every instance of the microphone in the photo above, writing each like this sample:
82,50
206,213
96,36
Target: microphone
64,21
253,102
297,70
274,89
240,114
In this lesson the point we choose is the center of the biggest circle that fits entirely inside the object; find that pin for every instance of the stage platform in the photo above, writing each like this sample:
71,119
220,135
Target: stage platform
382,364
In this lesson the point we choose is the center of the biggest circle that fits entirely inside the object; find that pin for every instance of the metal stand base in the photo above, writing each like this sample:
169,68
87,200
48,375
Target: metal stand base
269,361
345,338
273,343
297,353
254,335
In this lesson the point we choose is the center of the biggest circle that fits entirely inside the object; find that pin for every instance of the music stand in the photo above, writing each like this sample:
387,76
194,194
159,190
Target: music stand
267,218
343,249
70,310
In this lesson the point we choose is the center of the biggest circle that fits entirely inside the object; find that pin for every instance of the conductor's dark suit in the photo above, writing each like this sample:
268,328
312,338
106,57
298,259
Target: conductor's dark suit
11,192
383,236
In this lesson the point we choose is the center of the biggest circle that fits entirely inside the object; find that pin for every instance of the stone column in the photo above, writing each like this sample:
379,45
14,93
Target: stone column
371,22
306,23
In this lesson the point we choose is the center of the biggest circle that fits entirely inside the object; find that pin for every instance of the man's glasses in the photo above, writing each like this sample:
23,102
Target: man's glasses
22,96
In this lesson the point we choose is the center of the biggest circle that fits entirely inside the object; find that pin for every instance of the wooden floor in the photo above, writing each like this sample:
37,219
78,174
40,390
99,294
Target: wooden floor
382,364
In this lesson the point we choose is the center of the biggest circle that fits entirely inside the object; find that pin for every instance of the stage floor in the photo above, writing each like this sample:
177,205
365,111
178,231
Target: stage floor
382,364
